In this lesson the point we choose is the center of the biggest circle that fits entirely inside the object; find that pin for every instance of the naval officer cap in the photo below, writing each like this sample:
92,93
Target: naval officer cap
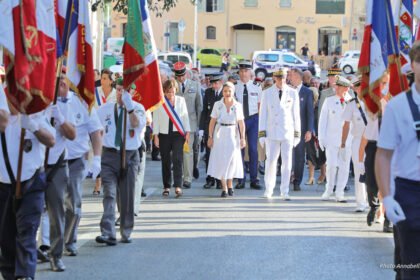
333,71
279,73
180,68
214,77
342,82
245,64
356,82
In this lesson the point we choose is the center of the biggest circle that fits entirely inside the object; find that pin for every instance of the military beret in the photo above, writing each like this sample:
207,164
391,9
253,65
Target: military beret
180,68
341,81
334,71
245,64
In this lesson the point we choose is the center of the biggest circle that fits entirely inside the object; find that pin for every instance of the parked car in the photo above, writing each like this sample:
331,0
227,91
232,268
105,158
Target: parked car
349,62
264,63
185,48
174,57
213,58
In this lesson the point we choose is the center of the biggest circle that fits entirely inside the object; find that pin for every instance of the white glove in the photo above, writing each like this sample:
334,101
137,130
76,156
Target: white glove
296,141
56,114
30,123
200,135
262,141
96,167
342,154
321,145
362,168
393,210
128,101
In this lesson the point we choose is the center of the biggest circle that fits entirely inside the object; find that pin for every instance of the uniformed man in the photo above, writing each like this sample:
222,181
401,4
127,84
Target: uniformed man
355,120
211,95
191,91
329,137
113,176
88,128
279,130
329,88
399,142
57,170
19,218
248,94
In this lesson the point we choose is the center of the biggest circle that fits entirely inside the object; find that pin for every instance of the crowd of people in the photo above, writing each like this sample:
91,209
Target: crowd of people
241,125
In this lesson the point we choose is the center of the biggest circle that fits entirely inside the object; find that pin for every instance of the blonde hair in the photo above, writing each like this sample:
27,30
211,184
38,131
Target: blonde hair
169,84
229,84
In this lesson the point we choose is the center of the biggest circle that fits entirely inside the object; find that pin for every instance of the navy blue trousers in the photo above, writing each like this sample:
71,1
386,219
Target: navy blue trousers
251,131
407,233
18,228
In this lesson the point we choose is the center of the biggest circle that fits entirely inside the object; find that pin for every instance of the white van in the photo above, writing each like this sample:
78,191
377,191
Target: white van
174,57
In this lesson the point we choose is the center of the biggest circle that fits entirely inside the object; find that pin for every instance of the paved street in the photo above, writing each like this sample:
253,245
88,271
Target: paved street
202,236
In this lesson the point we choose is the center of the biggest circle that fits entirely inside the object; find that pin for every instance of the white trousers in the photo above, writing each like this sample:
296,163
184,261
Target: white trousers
359,188
337,178
273,149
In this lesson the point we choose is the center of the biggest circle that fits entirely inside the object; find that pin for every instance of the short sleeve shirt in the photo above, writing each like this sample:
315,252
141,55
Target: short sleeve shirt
221,114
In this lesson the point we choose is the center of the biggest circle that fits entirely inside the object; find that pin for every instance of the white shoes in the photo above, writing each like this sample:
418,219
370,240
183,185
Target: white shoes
285,197
326,196
268,194
341,199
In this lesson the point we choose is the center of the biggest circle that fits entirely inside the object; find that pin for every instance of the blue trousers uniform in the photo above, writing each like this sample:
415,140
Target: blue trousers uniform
407,232
18,227
251,130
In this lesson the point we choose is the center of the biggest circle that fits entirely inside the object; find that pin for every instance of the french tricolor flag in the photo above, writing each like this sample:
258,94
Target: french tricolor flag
77,35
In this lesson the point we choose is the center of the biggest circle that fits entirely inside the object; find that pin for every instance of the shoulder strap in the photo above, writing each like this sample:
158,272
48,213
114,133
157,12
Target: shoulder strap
55,167
359,106
6,159
415,112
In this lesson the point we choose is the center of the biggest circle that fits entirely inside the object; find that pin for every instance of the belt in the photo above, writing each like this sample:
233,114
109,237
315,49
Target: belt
408,181
372,141
70,161
113,150
227,124
63,163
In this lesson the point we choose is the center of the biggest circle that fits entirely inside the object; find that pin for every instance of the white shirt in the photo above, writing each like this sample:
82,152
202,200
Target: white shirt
60,140
221,115
254,95
134,135
372,127
352,114
398,134
85,122
101,99
33,154
161,119
331,121
3,100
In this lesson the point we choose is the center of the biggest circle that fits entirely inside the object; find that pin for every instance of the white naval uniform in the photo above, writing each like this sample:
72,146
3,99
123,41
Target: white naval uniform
357,128
280,119
330,131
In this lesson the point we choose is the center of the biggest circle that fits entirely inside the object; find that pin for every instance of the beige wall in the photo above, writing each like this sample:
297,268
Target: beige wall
268,14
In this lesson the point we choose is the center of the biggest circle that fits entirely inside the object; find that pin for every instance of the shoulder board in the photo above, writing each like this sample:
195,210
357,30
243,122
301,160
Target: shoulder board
255,83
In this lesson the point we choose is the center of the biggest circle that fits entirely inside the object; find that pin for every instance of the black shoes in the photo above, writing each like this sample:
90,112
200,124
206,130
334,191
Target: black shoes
208,184
42,255
296,188
118,221
143,194
388,226
57,264
230,191
224,194
110,241
186,185
196,173
70,252
240,185
256,186
371,216
156,158
218,185
126,240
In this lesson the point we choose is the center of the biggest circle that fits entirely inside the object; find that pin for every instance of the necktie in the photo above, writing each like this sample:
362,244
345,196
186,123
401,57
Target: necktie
119,128
246,106
183,87
280,94
216,94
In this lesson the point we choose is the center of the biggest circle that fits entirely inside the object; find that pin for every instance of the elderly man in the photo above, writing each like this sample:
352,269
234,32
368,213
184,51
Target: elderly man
306,105
306,78
191,91
279,131
330,135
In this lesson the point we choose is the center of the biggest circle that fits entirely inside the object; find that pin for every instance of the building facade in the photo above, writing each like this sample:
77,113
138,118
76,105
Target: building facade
248,25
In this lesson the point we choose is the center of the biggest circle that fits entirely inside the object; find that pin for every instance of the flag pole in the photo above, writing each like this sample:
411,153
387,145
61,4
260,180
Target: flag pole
18,193
123,144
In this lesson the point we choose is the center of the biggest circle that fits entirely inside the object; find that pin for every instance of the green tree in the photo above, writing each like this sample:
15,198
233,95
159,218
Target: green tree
155,6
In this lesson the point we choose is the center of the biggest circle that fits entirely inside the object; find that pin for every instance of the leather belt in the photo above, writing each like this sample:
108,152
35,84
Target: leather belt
113,150
63,163
70,161
227,124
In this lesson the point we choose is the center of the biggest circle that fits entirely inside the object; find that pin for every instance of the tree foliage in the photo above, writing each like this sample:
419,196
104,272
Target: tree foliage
155,6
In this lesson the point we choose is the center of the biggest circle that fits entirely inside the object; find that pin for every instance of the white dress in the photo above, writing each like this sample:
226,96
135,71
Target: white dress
225,156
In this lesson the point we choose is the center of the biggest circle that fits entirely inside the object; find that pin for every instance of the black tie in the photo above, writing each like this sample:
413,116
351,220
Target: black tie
246,106
183,87
280,94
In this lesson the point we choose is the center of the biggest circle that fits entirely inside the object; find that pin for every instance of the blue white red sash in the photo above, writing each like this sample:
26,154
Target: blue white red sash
173,116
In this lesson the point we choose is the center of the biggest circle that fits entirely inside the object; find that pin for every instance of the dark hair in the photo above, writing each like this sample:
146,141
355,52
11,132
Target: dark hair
415,52
171,83
107,72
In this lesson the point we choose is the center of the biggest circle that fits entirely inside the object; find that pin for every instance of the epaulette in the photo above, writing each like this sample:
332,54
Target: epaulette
262,134
297,134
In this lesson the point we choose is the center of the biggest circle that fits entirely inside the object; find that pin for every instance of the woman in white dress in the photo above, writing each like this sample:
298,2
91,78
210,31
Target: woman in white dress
226,140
